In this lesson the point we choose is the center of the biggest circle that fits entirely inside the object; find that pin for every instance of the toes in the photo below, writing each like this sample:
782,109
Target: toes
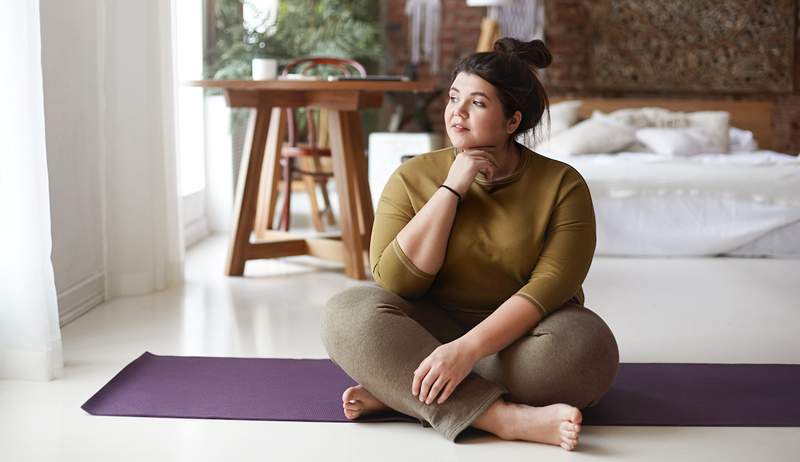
567,446
569,434
569,426
352,407
569,438
576,417
349,396
571,442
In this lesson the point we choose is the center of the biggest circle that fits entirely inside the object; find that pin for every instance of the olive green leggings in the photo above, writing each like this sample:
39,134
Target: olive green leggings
379,338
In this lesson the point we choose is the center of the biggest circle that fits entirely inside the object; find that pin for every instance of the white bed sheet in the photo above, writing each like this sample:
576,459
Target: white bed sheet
742,204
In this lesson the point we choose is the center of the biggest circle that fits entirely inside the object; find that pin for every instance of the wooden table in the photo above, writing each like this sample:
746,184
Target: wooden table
257,186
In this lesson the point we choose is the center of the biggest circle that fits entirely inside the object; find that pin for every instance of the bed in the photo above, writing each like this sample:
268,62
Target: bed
743,203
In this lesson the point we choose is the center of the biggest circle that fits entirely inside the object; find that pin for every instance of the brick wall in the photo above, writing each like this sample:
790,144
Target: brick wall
460,29
568,36
786,119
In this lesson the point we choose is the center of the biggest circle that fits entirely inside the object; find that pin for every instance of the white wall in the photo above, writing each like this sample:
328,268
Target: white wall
72,97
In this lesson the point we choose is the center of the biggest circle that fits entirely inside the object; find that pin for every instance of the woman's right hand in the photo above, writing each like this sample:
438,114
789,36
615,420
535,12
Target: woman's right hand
466,166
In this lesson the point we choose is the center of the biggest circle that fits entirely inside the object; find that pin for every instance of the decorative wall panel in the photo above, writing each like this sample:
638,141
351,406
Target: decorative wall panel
741,46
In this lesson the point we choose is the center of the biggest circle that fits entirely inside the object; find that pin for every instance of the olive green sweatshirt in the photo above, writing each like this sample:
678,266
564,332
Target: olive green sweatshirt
531,234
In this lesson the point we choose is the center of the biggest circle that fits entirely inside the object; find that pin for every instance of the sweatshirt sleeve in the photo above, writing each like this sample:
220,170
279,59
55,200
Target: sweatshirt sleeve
568,248
391,268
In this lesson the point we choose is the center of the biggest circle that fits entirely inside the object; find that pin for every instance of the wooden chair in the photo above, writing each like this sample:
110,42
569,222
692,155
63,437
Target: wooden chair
309,152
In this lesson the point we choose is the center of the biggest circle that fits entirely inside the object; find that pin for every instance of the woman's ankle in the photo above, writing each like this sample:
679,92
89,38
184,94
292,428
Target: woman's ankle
494,419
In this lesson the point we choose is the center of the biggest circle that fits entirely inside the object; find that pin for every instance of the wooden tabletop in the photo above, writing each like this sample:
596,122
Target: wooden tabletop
366,85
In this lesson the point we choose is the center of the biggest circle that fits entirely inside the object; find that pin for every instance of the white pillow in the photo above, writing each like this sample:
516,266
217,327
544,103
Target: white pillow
638,147
563,115
597,134
675,142
714,123
742,140
644,117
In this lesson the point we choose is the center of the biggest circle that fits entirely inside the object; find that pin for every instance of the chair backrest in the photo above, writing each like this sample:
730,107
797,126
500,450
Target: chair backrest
304,66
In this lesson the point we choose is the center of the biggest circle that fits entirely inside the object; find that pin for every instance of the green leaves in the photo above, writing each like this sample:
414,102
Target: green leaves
338,28
341,28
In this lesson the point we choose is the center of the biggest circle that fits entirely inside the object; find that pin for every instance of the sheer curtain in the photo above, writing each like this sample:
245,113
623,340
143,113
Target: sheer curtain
141,227
30,337
424,23
144,239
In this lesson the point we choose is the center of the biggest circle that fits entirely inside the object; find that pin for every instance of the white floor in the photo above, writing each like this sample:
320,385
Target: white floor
661,310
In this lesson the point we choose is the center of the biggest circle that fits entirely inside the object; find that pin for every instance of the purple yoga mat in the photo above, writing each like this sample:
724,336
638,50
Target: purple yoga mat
310,390
202,387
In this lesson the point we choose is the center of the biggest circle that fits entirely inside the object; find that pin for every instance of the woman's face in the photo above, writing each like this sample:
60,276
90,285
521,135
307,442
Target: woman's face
474,114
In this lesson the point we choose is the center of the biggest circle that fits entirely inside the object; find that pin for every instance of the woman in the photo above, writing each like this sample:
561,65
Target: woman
479,252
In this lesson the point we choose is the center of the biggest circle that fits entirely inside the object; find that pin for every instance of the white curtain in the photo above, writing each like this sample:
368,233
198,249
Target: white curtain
143,243
30,337
144,240
424,17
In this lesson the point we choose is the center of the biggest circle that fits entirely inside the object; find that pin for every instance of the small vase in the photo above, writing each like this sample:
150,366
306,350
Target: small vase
265,69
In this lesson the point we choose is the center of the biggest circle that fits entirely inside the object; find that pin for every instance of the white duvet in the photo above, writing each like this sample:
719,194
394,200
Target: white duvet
738,204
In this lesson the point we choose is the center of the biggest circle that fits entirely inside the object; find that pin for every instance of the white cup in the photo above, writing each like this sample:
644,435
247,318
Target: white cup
265,69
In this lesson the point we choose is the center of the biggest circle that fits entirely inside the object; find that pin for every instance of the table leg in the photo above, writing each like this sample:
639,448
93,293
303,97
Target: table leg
246,198
270,174
361,183
346,170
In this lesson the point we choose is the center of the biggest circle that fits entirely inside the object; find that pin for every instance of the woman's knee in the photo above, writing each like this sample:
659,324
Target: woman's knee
583,357
346,311
584,333
591,349
346,304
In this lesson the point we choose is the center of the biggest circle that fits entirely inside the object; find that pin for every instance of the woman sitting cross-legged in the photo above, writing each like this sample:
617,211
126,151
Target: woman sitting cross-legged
478,251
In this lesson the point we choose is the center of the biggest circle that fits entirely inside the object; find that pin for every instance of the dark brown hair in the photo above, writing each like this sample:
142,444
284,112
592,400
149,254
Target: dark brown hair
511,68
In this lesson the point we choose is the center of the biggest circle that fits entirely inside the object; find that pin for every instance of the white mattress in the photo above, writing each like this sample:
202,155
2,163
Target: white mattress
740,204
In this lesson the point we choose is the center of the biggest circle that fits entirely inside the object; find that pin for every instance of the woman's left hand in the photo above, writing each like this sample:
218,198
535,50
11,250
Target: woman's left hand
442,371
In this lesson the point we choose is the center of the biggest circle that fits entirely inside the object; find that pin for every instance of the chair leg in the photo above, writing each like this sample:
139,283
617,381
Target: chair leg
328,212
287,194
323,184
307,164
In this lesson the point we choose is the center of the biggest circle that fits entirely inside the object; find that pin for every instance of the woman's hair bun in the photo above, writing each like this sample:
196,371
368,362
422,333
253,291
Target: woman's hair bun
534,52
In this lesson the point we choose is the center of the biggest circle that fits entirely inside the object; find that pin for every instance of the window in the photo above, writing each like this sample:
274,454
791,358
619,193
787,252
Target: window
190,113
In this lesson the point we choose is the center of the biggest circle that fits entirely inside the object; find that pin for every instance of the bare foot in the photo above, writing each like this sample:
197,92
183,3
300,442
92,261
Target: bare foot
557,424
357,401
